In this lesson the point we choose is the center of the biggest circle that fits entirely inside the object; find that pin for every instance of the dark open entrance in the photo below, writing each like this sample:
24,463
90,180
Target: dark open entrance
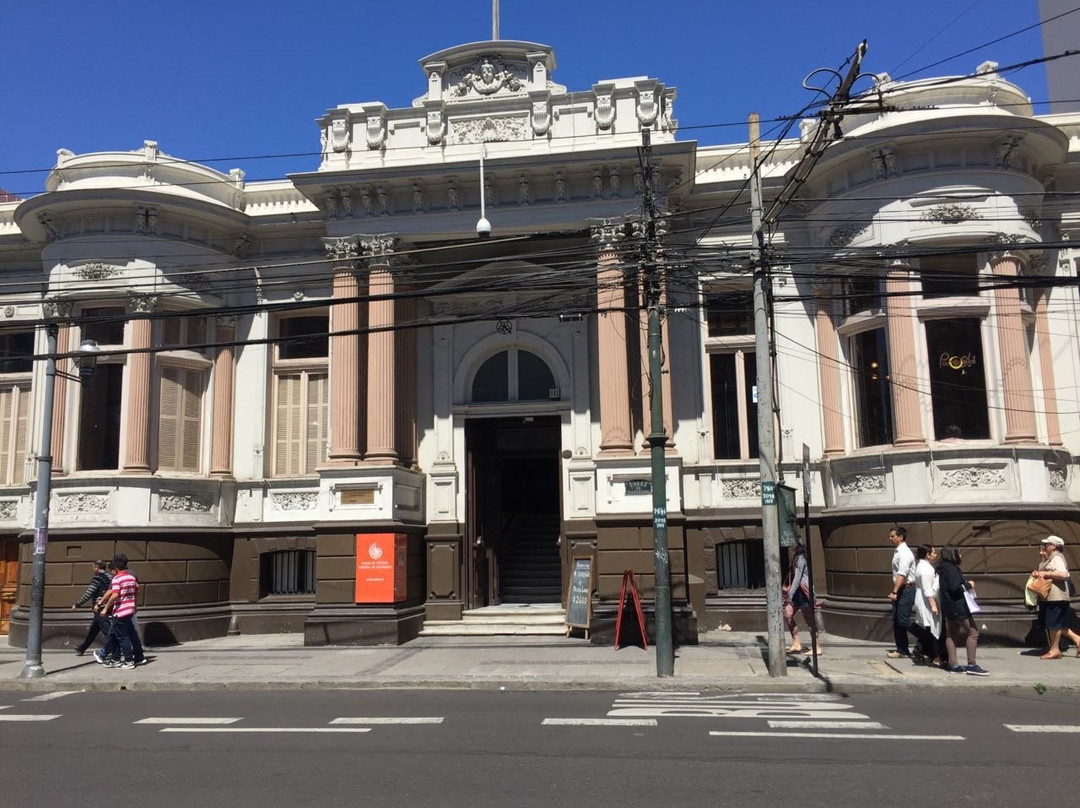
513,519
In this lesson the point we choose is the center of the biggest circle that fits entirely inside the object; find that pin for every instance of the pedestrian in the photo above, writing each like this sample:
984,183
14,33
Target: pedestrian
927,624
902,595
119,602
797,598
1055,611
959,621
95,590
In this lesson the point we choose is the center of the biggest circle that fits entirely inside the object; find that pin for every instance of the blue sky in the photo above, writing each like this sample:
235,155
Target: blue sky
227,82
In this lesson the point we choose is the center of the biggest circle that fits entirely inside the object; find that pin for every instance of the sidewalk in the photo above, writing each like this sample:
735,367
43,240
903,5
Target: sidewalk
723,662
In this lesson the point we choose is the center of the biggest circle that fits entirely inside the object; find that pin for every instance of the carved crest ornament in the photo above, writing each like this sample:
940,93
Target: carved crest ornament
487,76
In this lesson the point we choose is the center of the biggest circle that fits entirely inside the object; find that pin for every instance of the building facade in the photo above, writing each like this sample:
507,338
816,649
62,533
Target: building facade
301,376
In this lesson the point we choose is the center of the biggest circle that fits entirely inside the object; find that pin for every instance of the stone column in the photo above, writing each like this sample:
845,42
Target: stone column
344,447
1012,347
1046,367
60,391
829,371
903,369
139,366
382,370
615,437
224,385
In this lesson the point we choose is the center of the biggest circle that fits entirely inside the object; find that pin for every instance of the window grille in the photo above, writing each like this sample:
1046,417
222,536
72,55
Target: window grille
288,572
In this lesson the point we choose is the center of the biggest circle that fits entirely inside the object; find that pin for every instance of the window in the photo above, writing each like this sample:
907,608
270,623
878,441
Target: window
861,293
99,407
729,318
514,375
16,350
873,398
183,375
740,565
301,395
957,379
287,572
949,275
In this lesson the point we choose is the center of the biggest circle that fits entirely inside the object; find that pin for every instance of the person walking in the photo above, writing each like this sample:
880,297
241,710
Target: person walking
902,595
927,623
958,619
1055,611
95,590
797,598
122,638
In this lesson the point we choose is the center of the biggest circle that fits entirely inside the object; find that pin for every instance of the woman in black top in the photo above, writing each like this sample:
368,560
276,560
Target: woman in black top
958,619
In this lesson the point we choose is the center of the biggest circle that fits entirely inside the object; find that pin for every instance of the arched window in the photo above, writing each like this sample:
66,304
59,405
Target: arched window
514,375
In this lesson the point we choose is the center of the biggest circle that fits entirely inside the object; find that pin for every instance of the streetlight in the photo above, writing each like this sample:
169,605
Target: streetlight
86,361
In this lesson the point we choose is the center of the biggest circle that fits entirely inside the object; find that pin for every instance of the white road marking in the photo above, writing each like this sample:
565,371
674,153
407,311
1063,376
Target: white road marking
265,729
186,721
5,706
840,736
10,717
380,719
719,706
826,725
598,722
1060,728
54,695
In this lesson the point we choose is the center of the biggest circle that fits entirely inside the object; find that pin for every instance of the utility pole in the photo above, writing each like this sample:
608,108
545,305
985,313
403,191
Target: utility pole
665,654
770,527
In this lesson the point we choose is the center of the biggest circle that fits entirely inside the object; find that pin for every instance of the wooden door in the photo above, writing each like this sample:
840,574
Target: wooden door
9,580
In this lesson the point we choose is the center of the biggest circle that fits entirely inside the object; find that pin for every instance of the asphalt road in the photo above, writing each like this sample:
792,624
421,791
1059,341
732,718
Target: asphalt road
524,749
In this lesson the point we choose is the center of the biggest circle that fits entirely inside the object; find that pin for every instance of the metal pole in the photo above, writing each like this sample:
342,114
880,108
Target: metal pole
665,654
33,669
809,554
495,20
766,434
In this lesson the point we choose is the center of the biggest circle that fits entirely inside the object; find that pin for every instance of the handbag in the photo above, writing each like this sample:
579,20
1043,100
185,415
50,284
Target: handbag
972,604
1040,586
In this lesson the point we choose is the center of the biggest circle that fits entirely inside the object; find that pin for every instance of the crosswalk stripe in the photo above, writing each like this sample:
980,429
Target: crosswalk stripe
839,736
56,694
598,722
10,717
826,725
266,729
1058,728
187,721
381,719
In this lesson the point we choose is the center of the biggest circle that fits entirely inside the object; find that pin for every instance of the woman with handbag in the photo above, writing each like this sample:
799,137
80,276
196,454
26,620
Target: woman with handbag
927,623
955,605
797,598
1054,610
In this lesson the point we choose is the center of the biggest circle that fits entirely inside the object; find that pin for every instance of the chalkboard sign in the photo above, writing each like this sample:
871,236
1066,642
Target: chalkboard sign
579,601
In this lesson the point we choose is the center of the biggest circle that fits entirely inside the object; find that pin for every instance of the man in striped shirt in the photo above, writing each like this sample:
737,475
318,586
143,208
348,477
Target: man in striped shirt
121,600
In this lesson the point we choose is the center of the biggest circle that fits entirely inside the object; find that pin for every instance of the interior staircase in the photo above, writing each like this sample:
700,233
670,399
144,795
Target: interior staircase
530,570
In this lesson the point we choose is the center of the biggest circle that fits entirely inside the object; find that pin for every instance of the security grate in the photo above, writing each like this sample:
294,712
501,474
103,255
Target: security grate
289,572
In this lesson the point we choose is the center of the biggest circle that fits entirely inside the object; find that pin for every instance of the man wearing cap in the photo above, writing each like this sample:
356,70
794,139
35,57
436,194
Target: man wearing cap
1054,611
903,591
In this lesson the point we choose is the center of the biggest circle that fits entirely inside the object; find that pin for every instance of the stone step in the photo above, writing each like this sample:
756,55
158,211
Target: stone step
454,628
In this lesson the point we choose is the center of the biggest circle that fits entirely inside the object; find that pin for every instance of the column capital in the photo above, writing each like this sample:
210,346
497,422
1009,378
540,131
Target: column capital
378,246
1008,247
143,304
54,308
342,250
225,320
608,233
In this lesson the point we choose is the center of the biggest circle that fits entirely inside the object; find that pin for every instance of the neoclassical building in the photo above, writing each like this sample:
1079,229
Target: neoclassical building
324,405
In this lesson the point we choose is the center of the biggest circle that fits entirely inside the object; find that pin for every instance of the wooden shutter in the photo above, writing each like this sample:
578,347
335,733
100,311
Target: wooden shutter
317,409
7,401
22,425
287,420
191,419
169,419
179,419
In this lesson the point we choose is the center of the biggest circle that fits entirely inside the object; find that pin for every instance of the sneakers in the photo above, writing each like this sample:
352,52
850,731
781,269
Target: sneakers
975,670
956,669
127,665
896,655
98,658
80,651
140,662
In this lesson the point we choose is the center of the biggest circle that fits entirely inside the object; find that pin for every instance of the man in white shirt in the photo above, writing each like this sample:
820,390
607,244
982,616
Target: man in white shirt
903,591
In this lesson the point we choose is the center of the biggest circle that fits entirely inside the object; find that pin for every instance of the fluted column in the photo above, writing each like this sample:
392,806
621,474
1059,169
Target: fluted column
137,419
1012,348
344,447
60,391
615,437
382,371
828,370
1046,367
224,386
903,369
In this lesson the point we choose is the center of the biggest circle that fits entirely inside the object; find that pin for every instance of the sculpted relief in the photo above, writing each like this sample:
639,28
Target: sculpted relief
487,76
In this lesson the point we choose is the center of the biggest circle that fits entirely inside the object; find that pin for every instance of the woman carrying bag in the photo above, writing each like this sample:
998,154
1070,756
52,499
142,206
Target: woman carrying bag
958,619
1054,611
797,598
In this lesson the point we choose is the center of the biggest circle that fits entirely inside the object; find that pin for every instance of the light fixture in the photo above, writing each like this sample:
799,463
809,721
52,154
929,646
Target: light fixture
86,360
483,227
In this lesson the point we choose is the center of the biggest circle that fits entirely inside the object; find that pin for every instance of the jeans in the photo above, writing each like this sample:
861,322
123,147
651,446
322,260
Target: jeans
124,640
98,625
901,618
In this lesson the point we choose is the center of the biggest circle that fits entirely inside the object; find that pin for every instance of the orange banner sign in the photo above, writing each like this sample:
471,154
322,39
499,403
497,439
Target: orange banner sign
380,567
